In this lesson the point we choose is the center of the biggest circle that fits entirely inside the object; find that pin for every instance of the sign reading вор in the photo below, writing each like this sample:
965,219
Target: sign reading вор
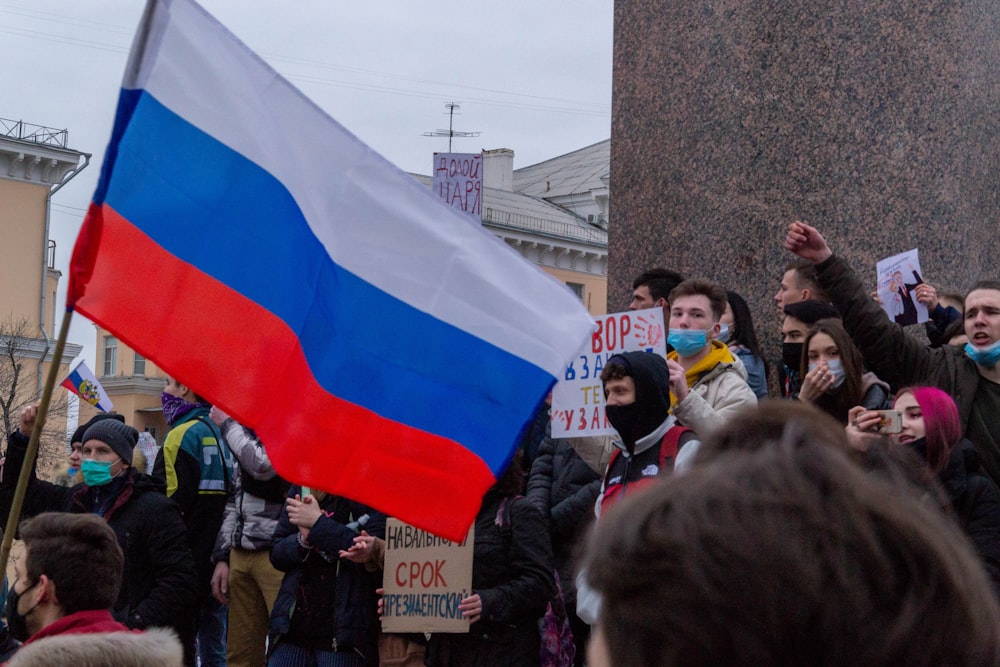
424,580
578,397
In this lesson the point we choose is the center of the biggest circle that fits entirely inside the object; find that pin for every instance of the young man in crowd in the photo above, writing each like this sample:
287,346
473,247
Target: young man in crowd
652,288
798,283
971,375
708,383
65,618
158,583
799,317
637,404
244,578
197,468
651,443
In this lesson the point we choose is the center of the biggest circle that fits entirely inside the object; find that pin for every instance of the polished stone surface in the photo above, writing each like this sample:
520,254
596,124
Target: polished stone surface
875,121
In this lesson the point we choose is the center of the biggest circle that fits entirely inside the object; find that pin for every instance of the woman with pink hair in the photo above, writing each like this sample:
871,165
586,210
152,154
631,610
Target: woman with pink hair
931,430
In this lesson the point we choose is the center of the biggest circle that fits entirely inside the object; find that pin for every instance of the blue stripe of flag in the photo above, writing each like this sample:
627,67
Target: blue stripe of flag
359,341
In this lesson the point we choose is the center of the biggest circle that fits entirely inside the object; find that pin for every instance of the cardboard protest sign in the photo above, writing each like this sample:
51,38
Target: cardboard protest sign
458,181
425,578
578,398
898,277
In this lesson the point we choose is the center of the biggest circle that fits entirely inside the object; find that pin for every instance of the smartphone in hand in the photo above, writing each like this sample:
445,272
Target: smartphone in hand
891,421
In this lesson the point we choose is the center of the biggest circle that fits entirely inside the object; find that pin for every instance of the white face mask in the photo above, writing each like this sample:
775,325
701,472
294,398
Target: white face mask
723,336
835,367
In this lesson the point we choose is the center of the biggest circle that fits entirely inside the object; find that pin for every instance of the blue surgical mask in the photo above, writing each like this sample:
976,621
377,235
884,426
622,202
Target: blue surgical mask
687,342
984,356
835,367
723,336
95,473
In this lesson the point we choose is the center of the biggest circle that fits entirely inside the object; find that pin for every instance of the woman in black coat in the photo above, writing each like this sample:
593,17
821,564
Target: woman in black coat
565,488
325,612
512,582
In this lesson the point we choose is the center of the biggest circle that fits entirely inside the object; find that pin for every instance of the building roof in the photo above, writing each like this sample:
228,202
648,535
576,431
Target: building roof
515,210
579,171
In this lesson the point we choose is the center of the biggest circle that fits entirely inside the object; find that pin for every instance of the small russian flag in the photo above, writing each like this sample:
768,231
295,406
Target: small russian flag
82,382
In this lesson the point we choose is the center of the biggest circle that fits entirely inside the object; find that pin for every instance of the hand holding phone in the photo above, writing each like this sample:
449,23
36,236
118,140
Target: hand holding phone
891,421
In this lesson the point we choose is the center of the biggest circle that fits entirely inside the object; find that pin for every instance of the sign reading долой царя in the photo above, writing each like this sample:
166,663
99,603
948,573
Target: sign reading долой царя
458,181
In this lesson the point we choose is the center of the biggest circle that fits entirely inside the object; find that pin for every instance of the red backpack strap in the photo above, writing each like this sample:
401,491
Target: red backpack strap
670,444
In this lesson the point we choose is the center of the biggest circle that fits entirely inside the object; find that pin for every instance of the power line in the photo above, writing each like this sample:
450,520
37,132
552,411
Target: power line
524,101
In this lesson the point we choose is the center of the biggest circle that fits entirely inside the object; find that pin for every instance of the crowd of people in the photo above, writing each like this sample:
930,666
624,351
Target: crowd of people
851,518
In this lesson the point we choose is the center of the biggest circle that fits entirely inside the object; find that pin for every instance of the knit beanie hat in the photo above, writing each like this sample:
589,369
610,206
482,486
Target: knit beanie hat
79,432
120,437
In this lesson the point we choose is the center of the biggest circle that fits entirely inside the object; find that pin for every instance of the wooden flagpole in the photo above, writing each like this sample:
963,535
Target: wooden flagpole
32,453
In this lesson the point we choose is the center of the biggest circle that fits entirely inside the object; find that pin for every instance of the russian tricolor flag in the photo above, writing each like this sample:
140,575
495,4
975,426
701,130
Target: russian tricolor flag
382,346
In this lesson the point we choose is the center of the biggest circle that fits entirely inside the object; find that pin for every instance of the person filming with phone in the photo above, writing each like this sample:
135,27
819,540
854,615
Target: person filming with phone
926,424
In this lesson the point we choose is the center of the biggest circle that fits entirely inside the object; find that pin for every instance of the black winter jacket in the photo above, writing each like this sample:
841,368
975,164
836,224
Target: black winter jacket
975,500
158,582
564,488
354,625
512,573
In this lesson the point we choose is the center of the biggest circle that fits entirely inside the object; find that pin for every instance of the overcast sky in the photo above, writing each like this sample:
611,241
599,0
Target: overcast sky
530,75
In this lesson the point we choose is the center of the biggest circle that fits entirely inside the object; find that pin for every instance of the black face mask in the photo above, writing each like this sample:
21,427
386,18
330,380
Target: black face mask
623,419
791,354
16,622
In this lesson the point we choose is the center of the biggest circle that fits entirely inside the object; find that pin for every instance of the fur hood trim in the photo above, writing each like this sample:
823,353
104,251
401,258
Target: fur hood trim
157,647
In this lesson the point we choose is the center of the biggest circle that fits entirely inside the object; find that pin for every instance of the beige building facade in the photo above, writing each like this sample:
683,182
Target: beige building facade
35,163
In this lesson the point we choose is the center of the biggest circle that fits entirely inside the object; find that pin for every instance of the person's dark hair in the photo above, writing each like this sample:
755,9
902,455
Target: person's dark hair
811,311
613,371
852,391
986,284
659,281
79,553
742,331
806,278
696,286
788,554
762,425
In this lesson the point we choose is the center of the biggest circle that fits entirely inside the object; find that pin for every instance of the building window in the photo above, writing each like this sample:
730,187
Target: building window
577,289
139,365
110,355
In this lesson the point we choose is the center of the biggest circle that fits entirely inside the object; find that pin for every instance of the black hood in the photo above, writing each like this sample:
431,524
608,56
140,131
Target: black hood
651,376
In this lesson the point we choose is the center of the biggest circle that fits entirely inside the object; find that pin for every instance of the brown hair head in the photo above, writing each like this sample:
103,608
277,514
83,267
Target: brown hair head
79,553
788,553
696,286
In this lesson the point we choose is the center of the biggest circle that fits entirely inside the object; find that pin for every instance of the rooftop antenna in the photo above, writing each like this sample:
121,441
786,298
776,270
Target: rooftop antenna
450,132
